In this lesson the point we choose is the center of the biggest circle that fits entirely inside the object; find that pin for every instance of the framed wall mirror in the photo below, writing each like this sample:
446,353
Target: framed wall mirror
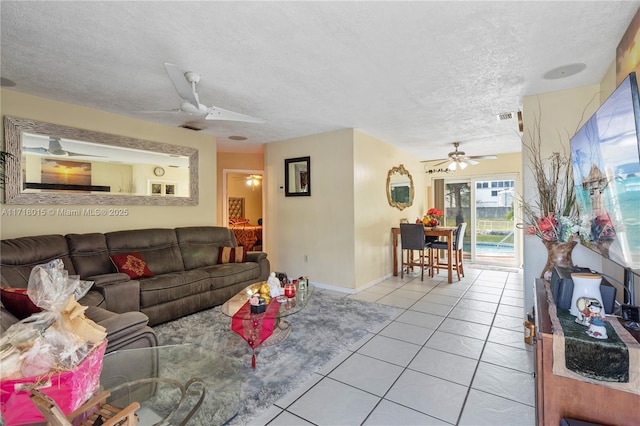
54,164
297,177
400,190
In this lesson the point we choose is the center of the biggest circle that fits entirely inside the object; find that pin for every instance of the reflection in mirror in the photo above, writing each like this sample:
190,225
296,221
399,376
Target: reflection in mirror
297,177
62,165
400,190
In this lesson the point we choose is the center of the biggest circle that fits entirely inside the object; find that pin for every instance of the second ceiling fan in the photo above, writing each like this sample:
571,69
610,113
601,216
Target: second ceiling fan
459,159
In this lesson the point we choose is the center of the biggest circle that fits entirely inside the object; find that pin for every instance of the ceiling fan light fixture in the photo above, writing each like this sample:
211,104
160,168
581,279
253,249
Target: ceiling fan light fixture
452,166
463,165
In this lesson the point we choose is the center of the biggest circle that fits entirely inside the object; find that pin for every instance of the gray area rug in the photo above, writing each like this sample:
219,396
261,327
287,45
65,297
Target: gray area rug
327,327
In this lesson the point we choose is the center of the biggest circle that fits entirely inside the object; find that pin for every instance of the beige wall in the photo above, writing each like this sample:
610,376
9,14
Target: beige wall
373,217
25,106
344,227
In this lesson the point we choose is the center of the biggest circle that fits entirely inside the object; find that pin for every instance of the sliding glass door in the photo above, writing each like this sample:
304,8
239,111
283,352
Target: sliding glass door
486,204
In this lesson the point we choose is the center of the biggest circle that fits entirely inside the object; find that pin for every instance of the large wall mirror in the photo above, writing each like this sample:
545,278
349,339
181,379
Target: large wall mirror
400,191
53,164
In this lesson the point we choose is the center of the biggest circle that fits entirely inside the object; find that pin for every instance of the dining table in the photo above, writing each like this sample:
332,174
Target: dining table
429,231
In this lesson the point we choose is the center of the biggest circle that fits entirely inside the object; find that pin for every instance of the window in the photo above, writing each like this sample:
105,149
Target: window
494,193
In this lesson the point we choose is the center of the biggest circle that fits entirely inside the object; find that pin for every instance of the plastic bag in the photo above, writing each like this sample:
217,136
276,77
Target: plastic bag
58,338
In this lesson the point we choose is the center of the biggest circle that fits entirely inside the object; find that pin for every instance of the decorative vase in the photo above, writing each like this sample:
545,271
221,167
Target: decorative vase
434,222
585,285
558,254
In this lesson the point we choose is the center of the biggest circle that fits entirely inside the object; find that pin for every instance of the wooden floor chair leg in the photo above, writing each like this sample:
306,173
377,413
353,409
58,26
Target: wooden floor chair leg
49,409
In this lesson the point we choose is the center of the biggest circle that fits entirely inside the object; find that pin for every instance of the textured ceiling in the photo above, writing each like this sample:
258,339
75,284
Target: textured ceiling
416,75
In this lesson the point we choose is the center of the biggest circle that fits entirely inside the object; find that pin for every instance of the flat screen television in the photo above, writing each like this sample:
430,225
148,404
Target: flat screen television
605,156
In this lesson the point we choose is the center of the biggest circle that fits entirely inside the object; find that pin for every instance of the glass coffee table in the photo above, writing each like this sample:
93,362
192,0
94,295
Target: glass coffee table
175,385
282,327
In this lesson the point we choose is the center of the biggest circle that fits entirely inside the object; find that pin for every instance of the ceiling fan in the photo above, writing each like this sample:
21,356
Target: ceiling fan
55,148
185,84
459,159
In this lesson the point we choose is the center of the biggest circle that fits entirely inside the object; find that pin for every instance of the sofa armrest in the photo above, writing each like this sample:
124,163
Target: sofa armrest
121,294
256,256
261,259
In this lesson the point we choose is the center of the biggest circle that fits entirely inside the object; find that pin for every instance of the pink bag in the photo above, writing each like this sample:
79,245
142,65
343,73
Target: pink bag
69,389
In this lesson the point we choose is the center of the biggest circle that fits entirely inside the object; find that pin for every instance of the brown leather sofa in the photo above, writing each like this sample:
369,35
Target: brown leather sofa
184,261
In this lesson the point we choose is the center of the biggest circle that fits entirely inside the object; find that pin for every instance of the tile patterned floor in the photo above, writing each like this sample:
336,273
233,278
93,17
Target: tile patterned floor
454,355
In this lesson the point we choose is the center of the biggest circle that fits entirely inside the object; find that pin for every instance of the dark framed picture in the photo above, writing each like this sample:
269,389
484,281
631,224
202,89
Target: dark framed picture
169,189
297,177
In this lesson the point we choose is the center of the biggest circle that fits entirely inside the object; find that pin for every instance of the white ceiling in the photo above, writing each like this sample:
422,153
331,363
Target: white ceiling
417,75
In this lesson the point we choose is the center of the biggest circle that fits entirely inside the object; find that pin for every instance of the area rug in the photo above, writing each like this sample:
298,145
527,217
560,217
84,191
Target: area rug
327,327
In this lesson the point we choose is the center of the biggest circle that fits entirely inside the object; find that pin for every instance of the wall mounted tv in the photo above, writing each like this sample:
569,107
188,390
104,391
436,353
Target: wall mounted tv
605,154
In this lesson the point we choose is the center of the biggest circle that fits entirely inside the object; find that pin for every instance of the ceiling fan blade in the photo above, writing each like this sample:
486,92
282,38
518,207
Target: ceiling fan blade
448,160
38,150
483,157
469,161
181,84
79,154
166,111
217,113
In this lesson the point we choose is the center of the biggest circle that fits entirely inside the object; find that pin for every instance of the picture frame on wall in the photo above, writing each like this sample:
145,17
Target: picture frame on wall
162,188
297,177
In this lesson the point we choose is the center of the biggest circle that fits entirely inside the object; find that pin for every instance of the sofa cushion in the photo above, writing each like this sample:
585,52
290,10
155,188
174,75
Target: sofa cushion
232,255
228,274
89,254
158,247
172,287
18,302
131,264
199,244
20,255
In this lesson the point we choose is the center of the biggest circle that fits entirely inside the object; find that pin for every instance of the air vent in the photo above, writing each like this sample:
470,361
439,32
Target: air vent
503,116
192,127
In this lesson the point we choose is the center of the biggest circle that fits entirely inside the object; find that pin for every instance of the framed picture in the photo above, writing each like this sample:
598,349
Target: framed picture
162,188
297,177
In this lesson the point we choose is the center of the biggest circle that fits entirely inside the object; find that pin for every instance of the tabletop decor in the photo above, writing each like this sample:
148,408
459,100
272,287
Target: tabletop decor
553,215
433,217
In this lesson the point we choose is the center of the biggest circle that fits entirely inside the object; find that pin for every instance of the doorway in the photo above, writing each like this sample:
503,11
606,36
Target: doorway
486,204
243,188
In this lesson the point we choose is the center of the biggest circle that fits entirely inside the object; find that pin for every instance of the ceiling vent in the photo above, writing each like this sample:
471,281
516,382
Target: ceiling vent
193,127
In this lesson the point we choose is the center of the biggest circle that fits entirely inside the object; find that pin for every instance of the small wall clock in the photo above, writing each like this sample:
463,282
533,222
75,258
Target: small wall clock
158,171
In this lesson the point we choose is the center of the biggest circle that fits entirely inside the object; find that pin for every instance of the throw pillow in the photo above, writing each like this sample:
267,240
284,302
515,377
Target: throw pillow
131,264
232,255
17,301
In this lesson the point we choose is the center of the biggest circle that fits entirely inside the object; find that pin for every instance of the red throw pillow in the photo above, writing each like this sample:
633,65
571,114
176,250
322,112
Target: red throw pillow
232,255
17,301
131,264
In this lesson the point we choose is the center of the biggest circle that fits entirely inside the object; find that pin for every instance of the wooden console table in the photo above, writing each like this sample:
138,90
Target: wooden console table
560,397
437,231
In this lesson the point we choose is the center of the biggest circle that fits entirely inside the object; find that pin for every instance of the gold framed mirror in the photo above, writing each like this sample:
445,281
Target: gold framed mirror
400,191
54,164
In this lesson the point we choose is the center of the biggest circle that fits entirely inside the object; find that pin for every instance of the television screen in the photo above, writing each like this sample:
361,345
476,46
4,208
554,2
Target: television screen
605,156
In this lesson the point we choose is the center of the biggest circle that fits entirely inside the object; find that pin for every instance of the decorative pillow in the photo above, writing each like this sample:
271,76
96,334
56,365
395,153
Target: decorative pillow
232,255
17,301
131,264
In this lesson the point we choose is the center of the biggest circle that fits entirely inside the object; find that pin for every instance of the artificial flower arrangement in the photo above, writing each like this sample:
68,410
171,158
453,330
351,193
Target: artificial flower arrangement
433,217
559,229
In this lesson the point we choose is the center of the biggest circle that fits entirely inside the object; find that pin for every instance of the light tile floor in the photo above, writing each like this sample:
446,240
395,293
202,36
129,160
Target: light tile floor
455,354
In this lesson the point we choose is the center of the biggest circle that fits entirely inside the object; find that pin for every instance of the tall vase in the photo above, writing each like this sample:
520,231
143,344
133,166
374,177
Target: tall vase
558,254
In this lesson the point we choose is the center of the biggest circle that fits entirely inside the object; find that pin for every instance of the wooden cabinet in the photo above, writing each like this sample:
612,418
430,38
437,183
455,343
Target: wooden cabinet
558,397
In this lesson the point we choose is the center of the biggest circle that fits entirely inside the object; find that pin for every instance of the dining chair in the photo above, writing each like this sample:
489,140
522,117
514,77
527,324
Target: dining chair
458,243
412,239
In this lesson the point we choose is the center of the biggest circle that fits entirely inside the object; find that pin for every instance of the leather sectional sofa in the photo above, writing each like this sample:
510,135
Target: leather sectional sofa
187,277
